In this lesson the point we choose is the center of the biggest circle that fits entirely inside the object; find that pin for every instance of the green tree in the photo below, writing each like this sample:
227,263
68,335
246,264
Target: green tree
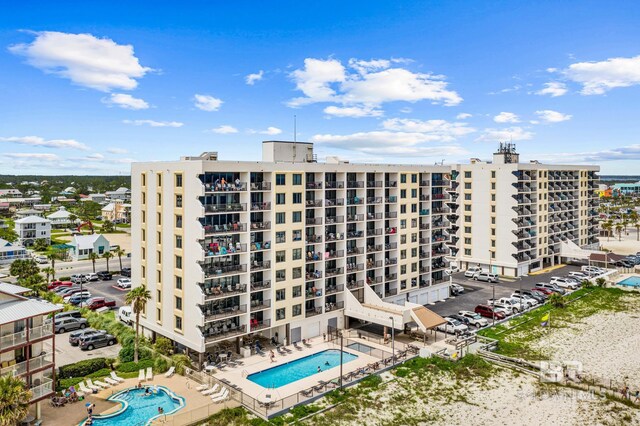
53,256
636,225
88,210
23,268
119,252
14,400
557,300
108,227
8,234
163,346
34,282
48,271
607,226
137,298
601,282
108,255
93,257
619,228
40,244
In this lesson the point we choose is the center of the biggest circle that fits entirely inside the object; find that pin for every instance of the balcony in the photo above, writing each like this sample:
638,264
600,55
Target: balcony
314,185
374,200
259,305
425,183
260,186
330,236
332,272
331,306
334,219
390,261
374,280
391,277
312,238
424,226
261,206
222,291
391,199
391,231
261,246
214,314
374,216
35,363
16,339
374,232
355,218
355,184
371,263
314,203
228,228
224,208
391,292
334,289
260,226
355,234
425,197
43,390
313,221
354,267
334,202
213,334
256,325
391,246
313,312
390,184
354,250
334,185
260,285
311,294
236,186
374,248
354,285
390,215
224,250
214,271
354,201
313,275
374,184
443,182
260,265
332,254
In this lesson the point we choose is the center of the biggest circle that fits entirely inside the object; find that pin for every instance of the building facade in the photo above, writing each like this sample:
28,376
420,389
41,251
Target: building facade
32,228
281,247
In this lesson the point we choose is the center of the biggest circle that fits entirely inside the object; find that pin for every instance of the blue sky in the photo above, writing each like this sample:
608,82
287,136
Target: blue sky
88,89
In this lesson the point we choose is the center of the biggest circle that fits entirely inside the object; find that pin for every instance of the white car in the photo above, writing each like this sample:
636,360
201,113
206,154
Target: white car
82,293
526,301
472,272
452,326
92,277
487,277
593,270
579,275
508,304
124,283
456,289
564,283
78,278
474,319
41,259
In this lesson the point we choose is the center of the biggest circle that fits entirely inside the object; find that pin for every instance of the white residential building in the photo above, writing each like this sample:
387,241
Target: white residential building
32,228
10,252
10,193
61,218
83,245
121,193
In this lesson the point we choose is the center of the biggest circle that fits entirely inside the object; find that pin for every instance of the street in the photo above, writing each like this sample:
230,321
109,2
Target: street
85,266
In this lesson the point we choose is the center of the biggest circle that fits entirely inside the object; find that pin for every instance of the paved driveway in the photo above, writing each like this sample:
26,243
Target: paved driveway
67,354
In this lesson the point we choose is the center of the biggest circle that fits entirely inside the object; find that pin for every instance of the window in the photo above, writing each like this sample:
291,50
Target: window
144,198
159,179
296,254
143,178
179,262
280,314
159,256
297,273
280,294
297,179
493,254
178,241
144,235
280,218
403,178
414,178
179,303
296,310
467,175
403,193
403,208
493,174
403,239
297,291
493,220
143,270
281,237
467,196
297,198
467,218
159,219
467,240
493,185
159,296
493,197
178,221
467,229
296,217
179,180
158,315
414,193
403,224
297,235
467,185
281,275
403,284
467,252
280,179
178,200
144,216
178,322
178,282
403,254
493,231
493,243
403,269
414,252
159,237
280,198
467,207
281,256
493,209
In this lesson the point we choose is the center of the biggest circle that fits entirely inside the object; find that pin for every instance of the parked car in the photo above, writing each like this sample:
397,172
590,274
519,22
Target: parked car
564,283
472,272
100,302
68,314
544,291
78,278
69,291
124,283
552,287
69,324
579,275
41,259
76,336
508,304
624,263
456,289
486,277
489,312
536,295
463,320
524,300
125,272
57,284
452,326
104,275
593,270
474,318
92,277
68,297
79,299
97,341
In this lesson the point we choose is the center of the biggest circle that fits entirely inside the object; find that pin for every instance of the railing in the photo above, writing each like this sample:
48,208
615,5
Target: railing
374,264
390,215
333,254
334,219
42,390
374,216
334,289
34,363
391,292
355,234
374,200
310,294
228,187
261,206
391,277
314,203
334,185
225,250
260,325
258,305
260,285
334,202
355,184
225,208
314,238
314,185
220,292
374,280
313,312
374,184
372,232
230,311
353,285
259,265
354,201
260,186
258,226
333,272
313,221
390,246
391,183
330,306
353,267
211,271
355,250
355,217
373,249
222,334
390,260
19,338
224,229
259,246
314,275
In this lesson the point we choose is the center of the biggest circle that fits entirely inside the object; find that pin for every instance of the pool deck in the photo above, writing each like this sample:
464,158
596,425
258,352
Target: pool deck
623,277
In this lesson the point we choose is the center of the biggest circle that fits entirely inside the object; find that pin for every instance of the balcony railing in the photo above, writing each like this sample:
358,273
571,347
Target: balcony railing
390,215
333,272
217,271
355,234
390,246
311,294
35,363
256,325
214,334
373,232
19,338
44,389
353,267
374,200
225,208
355,250
223,250
354,201
313,312
314,185
231,311
261,206
374,263
391,292
391,183
227,187
220,292
374,216
374,248
260,265
260,186
355,184
227,228
334,219
314,203
314,238
313,221
374,280
259,246
353,285
355,217
259,226
334,289
260,285
332,254
334,185
374,184
332,306
259,305
334,202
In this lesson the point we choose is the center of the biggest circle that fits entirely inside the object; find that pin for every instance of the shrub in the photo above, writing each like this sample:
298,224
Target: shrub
82,368
601,282
65,278
131,367
181,362
586,284
163,346
160,364
127,352
556,300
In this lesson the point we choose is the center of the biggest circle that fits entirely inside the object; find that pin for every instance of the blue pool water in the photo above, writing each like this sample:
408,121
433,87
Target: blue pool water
630,282
360,347
290,372
139,410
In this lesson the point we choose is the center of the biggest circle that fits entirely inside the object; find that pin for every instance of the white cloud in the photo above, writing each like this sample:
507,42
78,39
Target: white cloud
353,111
125,101
367,84
51,143
252,78
599,77
117,151
225,129
433,130
463,116
32,156
406,110
268,131
553,89
207,103
508,134
88,61
154,123
550,116
506,117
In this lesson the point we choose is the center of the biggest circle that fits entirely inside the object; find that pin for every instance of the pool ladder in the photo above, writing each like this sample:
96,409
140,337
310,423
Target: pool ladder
245,373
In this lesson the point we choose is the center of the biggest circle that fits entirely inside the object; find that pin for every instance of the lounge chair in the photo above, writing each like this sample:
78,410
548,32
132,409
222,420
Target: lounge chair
212,390
85,389
319,388
90,385
149,373
102,384
221,398
307,392
202,387
289,351
170,372
304,342
115,377
281,350
111,381
217,394
297,346
141,375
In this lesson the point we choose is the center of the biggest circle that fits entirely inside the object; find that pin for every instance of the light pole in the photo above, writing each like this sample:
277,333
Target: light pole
393,341
341,353
493,313
490,266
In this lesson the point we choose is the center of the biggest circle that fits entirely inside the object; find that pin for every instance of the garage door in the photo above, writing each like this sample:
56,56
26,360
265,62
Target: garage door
423,298
312,330
413,299
296,334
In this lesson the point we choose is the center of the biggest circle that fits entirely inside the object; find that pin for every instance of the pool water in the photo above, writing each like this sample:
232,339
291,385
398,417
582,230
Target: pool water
630,282
290,372
139,409
360,347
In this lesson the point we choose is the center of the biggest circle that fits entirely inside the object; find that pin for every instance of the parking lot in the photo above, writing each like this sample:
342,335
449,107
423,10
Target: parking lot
106,289
67,354
477,293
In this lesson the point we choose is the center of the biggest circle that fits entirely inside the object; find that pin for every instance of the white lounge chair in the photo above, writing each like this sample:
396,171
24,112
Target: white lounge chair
141,375
111,381
170,372
202,387
91,385
211,391
85,390
149,373
115,377
218,394
221,398
103,385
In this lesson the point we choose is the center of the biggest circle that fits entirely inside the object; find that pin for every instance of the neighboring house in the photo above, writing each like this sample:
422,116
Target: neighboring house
4,207
83,245
28,212
98,198
28,343
60,219
121,193
117,211
10,252
69,190
32,228
42,207
10,193
21,201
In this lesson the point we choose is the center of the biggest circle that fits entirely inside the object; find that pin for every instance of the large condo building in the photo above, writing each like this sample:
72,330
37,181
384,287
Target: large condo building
286,246
517,217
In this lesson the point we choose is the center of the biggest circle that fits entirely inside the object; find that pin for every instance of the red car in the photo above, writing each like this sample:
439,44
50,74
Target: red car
55,284
545,291
487,311
99,302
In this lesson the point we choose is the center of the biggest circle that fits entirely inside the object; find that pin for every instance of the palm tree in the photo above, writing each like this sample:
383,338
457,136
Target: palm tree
137,298
48,271
636,224
52,256
93,257
108,255
619,231
119,252
607,226
14,400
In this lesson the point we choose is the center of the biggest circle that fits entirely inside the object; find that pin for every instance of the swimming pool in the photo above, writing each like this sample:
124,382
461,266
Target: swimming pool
290,372
138,409
360,347
630,282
